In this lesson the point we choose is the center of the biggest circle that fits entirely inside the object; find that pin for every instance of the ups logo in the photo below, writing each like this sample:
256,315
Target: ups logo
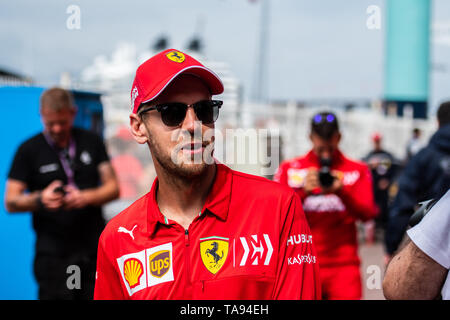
159,263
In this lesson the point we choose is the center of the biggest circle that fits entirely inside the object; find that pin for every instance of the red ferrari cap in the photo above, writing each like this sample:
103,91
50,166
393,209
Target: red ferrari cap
155,74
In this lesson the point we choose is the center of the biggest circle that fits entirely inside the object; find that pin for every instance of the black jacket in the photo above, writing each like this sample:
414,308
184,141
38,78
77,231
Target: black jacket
426,176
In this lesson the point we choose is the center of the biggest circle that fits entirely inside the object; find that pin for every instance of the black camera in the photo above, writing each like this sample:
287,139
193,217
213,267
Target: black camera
418,215
325,177
60,190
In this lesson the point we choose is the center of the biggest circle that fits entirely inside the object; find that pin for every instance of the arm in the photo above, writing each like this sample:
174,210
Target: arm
18,200
107,191
412,274
297,267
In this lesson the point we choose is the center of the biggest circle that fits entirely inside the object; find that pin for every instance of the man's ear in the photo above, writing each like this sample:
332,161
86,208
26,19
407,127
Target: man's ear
138,129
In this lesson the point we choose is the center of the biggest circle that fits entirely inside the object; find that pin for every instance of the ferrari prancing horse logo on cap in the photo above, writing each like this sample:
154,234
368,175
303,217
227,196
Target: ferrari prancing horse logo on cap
175,56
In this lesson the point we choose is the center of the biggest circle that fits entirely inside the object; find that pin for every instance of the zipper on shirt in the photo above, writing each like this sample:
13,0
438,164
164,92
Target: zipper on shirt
186,237
186,242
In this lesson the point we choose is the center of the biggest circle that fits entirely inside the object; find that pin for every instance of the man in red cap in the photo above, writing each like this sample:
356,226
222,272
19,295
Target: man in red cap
335,192
203,231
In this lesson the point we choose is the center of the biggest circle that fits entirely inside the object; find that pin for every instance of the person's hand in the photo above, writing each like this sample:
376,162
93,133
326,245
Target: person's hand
311,181
74,198
50,199
383,184
335,187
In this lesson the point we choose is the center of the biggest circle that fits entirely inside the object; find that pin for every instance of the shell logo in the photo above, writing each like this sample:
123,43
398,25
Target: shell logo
133,270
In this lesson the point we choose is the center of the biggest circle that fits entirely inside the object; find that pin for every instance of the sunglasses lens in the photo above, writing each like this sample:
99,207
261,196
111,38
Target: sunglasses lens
172,114
330,118
317,118
207,111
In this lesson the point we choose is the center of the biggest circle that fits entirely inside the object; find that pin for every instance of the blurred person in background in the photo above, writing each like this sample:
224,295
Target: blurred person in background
426,176
414,144
420,270
336,192
384,168
63,176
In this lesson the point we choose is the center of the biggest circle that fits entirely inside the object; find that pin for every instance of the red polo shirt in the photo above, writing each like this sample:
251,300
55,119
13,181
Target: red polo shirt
250,241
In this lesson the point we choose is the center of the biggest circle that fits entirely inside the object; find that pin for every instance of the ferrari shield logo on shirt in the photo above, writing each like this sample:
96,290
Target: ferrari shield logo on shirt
146,268
214,252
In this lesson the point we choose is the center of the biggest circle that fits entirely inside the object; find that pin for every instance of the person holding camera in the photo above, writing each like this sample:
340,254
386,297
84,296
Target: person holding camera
63,176
335,192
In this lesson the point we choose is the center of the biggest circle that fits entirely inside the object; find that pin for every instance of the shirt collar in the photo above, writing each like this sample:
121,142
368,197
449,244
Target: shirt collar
217,201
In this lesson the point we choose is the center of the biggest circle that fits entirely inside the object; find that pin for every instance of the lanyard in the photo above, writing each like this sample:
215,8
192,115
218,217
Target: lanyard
66,157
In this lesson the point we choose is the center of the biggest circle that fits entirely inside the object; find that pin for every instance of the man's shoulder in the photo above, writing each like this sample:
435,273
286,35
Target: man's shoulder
32,143
86,135
354,164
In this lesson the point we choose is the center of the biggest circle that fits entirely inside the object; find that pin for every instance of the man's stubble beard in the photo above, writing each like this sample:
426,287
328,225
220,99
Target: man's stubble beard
183,170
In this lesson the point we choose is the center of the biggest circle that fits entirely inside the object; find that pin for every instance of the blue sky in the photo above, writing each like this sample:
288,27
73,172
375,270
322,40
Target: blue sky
317,49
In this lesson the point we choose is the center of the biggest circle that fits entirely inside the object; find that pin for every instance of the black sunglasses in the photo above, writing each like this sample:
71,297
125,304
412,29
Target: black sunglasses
173,113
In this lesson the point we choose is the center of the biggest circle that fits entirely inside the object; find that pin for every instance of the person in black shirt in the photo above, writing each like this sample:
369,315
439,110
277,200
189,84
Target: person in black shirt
63,176
384,168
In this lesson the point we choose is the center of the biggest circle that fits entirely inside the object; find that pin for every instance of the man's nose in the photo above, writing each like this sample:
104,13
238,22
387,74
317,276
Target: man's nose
190,122
56,128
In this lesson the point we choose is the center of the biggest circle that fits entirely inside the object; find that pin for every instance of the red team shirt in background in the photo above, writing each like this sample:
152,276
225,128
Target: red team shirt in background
250,241
332,219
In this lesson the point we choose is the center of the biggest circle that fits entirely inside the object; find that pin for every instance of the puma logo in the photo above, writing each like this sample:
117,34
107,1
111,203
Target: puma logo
122,229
